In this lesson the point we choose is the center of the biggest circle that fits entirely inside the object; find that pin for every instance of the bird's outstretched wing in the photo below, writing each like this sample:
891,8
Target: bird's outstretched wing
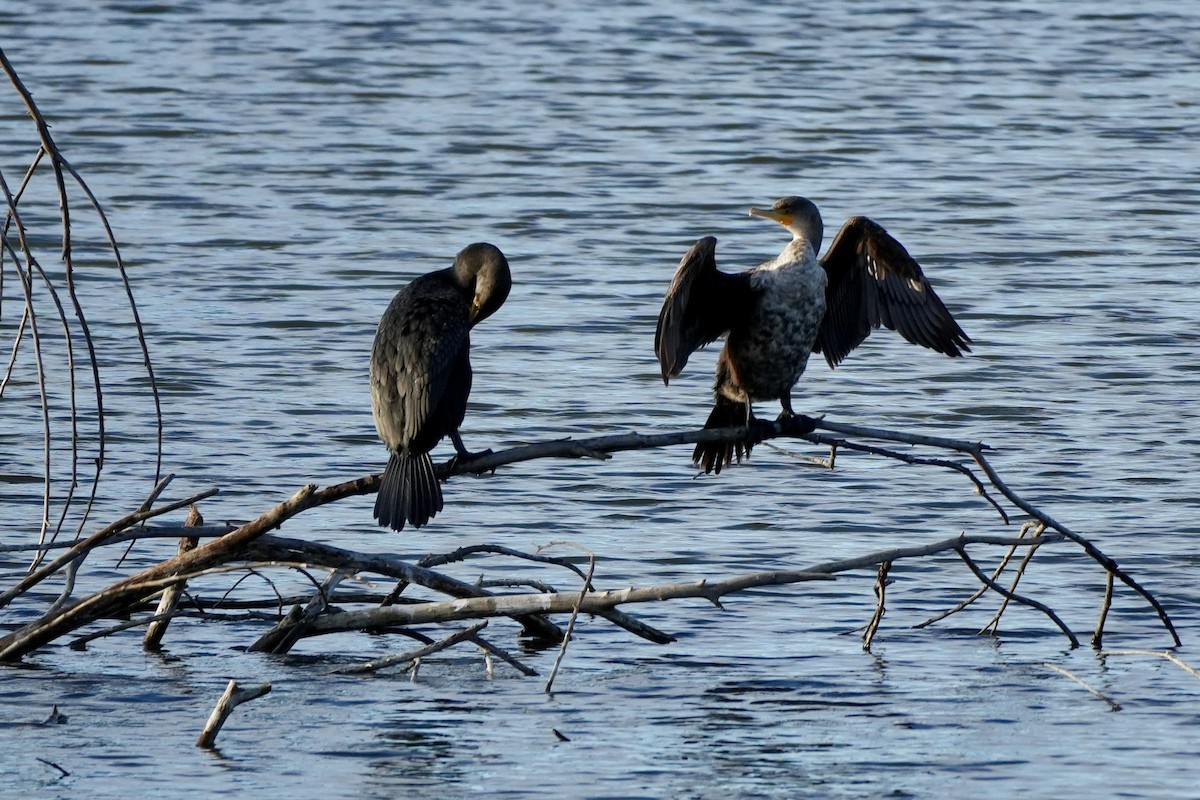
701,304
873,281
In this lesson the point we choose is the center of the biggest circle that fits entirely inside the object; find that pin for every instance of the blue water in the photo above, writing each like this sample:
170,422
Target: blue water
275,173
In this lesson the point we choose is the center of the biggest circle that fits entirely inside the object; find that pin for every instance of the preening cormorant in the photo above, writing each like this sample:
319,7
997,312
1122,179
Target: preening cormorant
421,375
776,314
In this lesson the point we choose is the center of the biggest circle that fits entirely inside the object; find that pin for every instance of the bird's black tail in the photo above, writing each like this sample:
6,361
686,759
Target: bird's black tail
713,456
409,492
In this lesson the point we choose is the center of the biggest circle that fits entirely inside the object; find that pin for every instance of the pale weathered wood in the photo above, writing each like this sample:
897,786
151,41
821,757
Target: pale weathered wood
170,596
231,699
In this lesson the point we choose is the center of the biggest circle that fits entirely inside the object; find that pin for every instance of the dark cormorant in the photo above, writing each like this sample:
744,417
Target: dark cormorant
421,375
777,313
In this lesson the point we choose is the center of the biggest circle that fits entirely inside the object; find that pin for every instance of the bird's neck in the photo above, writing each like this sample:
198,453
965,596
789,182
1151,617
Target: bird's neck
798,249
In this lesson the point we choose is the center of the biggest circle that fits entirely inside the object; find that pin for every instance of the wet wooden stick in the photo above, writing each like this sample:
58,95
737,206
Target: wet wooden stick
413,657
170,596
492,650
1113,704
881,583
231,699
1105,605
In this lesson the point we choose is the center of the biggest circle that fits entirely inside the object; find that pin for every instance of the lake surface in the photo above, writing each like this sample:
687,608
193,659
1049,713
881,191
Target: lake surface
275,172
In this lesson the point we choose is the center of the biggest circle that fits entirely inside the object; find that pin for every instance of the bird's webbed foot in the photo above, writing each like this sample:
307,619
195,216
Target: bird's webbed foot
796,424
464,456
791,423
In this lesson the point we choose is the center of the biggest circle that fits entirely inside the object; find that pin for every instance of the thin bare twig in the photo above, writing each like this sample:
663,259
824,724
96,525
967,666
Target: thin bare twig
587,582
413,656
1105,605
1112,704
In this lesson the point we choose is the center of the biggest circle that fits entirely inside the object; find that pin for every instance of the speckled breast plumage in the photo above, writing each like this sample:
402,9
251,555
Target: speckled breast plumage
769,352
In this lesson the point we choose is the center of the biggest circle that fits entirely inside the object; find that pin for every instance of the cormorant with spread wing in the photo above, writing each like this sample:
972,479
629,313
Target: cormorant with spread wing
776,314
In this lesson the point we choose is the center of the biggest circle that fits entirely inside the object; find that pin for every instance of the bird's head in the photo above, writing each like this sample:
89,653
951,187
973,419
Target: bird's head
482,270
799,215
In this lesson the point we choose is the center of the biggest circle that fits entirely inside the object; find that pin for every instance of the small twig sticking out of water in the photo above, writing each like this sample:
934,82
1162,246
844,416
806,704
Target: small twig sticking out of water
231,699
1112,704
587,582
881,583
1105,605
490,650
62,771
1160,653
970,562
1038,529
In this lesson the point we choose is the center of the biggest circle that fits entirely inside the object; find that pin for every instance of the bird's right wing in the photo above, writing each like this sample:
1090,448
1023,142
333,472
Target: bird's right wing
701,304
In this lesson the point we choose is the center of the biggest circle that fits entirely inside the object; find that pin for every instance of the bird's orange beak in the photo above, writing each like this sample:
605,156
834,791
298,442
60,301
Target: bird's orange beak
778,216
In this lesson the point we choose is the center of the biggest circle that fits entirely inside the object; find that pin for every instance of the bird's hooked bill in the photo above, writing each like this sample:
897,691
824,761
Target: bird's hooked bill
768,213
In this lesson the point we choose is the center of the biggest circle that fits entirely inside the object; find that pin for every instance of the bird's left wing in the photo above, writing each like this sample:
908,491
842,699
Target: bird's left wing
701,304
873,281
417,346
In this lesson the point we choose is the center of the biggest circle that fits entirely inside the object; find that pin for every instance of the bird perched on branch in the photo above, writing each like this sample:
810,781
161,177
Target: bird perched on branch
421,375
774,315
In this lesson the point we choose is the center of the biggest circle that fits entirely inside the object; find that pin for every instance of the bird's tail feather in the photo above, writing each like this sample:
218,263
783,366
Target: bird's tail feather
713,456
409,492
